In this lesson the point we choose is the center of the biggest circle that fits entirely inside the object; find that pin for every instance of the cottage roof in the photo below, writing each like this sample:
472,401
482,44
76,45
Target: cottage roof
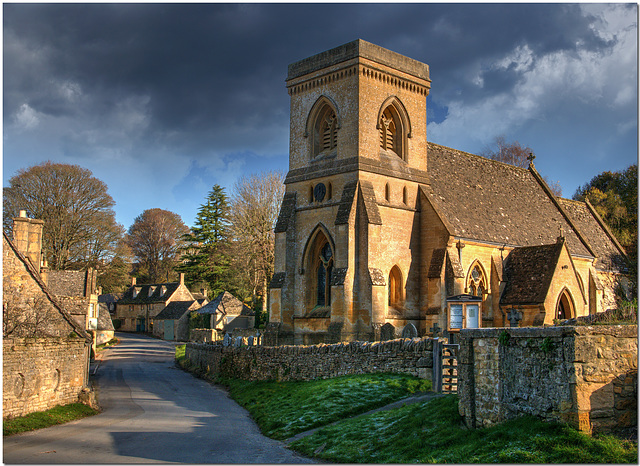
528,273
104,318
489,201
35,275
227,304
610,254
109,298
175,310
147,294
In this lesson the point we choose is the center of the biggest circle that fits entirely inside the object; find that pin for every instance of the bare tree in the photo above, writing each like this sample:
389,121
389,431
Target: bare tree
80,227
254,210
155,241
27,318
515,154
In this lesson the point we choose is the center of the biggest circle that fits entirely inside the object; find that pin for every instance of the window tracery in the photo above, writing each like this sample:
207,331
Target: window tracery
477,282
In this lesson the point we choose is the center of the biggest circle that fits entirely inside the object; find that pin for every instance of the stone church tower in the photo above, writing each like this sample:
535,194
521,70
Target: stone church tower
358,153
382,234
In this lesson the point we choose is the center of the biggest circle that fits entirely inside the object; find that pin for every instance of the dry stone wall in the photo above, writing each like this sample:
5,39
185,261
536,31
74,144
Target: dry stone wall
40,373
404,356
585,376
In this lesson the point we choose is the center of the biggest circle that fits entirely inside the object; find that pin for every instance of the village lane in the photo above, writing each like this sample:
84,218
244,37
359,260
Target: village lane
152,412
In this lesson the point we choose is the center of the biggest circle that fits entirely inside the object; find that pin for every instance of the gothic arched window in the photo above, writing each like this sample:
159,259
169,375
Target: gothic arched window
394,128
476,281
395,287
389,127
323,273
325,131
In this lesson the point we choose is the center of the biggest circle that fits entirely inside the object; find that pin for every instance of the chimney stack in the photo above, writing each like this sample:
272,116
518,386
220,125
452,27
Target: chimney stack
27,237
133,281
182,278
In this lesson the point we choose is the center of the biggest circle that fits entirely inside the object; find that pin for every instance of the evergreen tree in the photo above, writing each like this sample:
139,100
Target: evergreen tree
206,251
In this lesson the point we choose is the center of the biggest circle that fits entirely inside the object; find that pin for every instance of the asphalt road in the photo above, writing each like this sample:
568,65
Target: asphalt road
152,412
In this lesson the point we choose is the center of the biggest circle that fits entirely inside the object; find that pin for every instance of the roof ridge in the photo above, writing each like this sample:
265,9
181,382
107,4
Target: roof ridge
477,156
45,289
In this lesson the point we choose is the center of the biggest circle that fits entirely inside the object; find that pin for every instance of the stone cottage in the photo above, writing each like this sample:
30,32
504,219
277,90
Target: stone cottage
139,305
227,313
172,323
378,226
45,350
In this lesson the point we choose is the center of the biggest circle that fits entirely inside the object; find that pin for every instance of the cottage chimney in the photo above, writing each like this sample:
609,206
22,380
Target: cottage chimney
133,281
203,291
27,237
182,279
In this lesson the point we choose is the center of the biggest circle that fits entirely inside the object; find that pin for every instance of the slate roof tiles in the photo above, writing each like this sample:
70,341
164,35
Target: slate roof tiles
490,201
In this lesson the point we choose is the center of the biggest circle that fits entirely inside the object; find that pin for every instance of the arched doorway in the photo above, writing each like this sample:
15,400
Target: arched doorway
564,308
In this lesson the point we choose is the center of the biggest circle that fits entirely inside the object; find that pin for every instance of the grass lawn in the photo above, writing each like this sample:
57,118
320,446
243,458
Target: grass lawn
427,432
283,409
432,432
51,417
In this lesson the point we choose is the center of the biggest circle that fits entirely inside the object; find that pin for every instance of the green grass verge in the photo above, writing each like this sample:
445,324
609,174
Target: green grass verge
51,417
432,432
283,409
180,352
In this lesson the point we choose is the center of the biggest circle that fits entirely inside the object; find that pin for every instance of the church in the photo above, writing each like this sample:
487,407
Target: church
382,233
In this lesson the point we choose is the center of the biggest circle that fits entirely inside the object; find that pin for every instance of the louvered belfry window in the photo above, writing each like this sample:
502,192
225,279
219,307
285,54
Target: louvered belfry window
326,131
388,127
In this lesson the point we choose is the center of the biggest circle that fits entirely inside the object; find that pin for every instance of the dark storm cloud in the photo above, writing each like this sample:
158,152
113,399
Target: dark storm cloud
192,89
208,66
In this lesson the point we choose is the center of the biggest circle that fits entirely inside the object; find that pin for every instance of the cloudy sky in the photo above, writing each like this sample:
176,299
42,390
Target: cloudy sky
162,101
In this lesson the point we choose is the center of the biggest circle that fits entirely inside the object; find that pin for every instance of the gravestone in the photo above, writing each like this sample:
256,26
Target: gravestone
387,332
226,341
409,331
237,343
435,330
514,316
250,340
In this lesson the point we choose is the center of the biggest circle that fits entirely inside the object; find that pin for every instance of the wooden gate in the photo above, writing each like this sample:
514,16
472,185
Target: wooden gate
445,367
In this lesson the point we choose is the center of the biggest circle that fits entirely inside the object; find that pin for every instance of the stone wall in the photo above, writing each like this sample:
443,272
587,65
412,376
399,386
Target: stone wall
40,373
405,356
584,376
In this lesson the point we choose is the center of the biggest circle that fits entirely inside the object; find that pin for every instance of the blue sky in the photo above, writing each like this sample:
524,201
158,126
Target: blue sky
162,101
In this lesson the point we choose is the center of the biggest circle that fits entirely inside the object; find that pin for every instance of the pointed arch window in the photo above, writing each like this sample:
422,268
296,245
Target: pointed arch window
323,271
389,126
476,281
325,132
395,287
394,128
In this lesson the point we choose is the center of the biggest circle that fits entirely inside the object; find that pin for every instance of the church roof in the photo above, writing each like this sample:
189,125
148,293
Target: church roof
528,273
489,201
609,252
